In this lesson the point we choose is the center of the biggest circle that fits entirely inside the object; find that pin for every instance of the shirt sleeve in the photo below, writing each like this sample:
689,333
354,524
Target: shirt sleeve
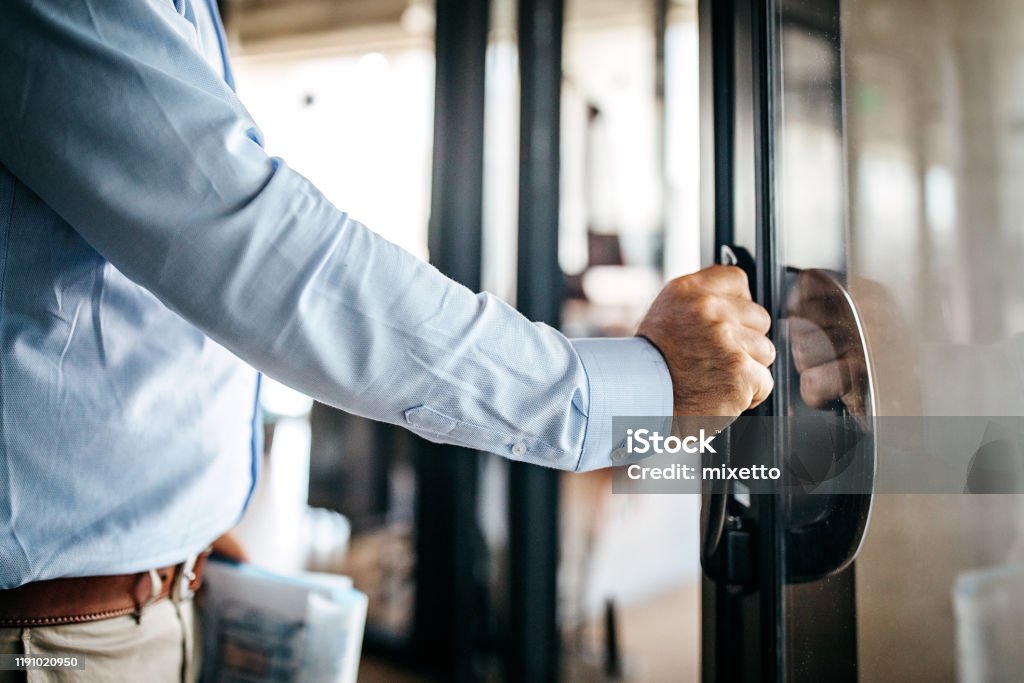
110,114
628,378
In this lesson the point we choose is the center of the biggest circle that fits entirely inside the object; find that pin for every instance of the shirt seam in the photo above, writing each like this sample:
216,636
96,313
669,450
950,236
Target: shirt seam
6,247
8,228
589,411
499,436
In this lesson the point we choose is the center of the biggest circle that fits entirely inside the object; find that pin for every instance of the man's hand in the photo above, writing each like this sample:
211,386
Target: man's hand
230,548
713,337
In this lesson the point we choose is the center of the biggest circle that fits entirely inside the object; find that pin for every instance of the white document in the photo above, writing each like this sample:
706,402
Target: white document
259,626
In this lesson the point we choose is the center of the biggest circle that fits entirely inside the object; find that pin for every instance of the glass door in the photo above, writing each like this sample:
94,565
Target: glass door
935,146
868,156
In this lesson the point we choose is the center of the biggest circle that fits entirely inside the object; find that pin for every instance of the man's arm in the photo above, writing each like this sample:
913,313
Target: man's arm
109,113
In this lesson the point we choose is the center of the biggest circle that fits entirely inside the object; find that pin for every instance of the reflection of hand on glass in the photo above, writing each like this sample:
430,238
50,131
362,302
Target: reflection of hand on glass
827,347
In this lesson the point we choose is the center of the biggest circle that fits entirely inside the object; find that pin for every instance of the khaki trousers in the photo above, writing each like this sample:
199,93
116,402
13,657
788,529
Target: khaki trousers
160,648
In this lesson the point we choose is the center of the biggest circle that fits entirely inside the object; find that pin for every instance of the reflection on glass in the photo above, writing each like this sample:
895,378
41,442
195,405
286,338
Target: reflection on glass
902,165
827,344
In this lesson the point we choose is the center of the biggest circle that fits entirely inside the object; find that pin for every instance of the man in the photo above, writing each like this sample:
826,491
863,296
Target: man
151,255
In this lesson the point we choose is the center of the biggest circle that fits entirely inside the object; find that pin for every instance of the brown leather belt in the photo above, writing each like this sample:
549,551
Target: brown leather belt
92,598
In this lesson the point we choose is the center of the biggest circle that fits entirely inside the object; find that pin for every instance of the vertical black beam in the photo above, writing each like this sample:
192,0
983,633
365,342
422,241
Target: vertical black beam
770,508
744,633
722,51
730,642
448,545
539,287
456,215
709,23
533,643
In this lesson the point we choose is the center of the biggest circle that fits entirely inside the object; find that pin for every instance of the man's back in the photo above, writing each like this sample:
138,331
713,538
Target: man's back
112,407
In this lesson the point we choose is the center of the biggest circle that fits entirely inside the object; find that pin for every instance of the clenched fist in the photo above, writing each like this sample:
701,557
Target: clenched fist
713,338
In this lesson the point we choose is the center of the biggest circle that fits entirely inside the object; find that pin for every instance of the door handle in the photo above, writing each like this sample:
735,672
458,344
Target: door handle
824,531
727,544
732,255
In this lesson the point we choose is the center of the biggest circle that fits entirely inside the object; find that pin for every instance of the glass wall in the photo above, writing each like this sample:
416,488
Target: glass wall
900,165
936,171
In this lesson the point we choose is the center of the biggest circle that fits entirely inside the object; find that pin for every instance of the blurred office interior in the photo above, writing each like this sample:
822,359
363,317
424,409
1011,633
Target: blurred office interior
345,92
571,157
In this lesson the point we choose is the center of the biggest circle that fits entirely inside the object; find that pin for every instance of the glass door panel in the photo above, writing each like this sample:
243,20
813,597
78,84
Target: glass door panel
815,312
935,150
869,155
899,167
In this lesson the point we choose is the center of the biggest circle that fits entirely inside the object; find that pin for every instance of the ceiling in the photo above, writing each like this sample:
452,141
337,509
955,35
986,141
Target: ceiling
261,26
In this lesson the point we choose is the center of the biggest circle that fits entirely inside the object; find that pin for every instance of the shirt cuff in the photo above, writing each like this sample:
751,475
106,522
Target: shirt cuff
628,377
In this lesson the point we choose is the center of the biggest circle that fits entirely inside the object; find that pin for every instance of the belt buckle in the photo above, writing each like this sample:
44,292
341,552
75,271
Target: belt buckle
186,575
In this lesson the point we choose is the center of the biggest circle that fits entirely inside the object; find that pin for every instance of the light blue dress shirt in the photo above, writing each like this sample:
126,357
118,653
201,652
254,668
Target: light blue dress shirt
152,254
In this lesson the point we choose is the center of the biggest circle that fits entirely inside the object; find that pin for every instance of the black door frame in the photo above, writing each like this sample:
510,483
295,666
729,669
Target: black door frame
744,625
753,615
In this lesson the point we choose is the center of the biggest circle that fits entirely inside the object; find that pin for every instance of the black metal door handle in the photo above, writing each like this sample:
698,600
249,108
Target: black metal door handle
824,531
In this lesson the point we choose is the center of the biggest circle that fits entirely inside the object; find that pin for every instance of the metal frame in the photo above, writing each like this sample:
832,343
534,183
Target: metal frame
533,652
749,629
770,509
744,625
450,592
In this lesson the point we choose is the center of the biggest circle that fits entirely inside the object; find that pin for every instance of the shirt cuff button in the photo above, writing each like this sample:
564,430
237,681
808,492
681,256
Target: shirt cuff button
619,454
519,449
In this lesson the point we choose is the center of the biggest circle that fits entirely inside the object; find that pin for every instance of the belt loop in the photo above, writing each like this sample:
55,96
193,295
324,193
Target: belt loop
186,576
155,587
